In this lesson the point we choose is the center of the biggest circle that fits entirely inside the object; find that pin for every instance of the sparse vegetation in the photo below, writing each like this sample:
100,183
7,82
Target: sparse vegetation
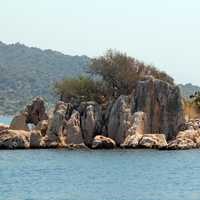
111,75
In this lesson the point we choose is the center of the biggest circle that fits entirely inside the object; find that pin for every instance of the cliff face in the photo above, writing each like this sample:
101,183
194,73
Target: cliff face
152,113
162,104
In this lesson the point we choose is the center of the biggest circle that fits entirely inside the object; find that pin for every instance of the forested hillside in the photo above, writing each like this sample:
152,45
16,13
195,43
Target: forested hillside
27,72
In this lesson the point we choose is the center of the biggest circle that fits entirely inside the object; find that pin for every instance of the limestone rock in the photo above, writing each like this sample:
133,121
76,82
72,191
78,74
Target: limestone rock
136,130
64,127
42,126
72,130
120,120
152,141
36,111
187,139
102,142
162,104
55,125
14,139
90,121
19,122
36,140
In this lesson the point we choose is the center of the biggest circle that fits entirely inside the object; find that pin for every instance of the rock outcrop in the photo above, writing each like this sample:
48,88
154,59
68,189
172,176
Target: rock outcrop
162,104
72,134
64,127
187,139
153,141
136,131
19,122
14,139
144,119
102,142
36,140
120,120
36,111
32,114
91,119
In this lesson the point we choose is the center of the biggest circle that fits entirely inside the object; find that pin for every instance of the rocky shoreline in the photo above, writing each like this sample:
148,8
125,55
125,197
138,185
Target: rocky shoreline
151,117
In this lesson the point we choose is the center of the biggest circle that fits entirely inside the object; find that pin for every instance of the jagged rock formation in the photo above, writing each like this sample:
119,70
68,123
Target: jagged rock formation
162,104
14,139
19,122
64,127
146,118
91,117
153,141
33,114
102,142
35,111
187,139
120,119
136,131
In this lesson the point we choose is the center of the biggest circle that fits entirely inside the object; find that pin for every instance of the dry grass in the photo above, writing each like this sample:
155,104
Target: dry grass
191,111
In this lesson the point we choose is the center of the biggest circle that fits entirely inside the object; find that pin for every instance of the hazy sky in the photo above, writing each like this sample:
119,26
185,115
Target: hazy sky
165,33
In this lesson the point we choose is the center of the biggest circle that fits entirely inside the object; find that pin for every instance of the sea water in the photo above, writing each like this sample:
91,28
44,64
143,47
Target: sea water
99,175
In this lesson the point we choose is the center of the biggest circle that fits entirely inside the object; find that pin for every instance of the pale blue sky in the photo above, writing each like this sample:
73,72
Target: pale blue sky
165,33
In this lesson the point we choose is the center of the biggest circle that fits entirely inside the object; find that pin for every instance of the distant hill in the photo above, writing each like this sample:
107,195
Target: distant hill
188,89
27,72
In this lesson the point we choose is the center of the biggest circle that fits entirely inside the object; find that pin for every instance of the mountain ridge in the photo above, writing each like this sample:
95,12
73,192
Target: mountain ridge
30,71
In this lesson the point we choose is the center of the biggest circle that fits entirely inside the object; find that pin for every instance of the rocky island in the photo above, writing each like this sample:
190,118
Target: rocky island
151,117
127,105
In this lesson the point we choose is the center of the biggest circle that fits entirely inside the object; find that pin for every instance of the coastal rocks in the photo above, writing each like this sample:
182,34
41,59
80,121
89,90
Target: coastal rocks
36,111
64,127
187,139
102,142
192,124
120,120
90,121
36,140
55,126
14,139
153,141
32,114
3,127
136,131
42,126
19,122
72,134
162,104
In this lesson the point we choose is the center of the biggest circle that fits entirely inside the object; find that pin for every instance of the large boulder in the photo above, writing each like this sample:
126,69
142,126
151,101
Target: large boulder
19,122
36,140
32,114
153,141
36,111
14,139
64,127
91,121
162,104
187,139
102,142
136,131
42,126
120,120
72,134
55,125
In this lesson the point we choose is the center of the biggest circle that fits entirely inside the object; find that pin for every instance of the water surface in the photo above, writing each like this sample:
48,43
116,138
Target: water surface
99,175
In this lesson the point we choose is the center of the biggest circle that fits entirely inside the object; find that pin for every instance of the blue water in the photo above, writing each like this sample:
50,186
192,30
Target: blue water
99,175
5,119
